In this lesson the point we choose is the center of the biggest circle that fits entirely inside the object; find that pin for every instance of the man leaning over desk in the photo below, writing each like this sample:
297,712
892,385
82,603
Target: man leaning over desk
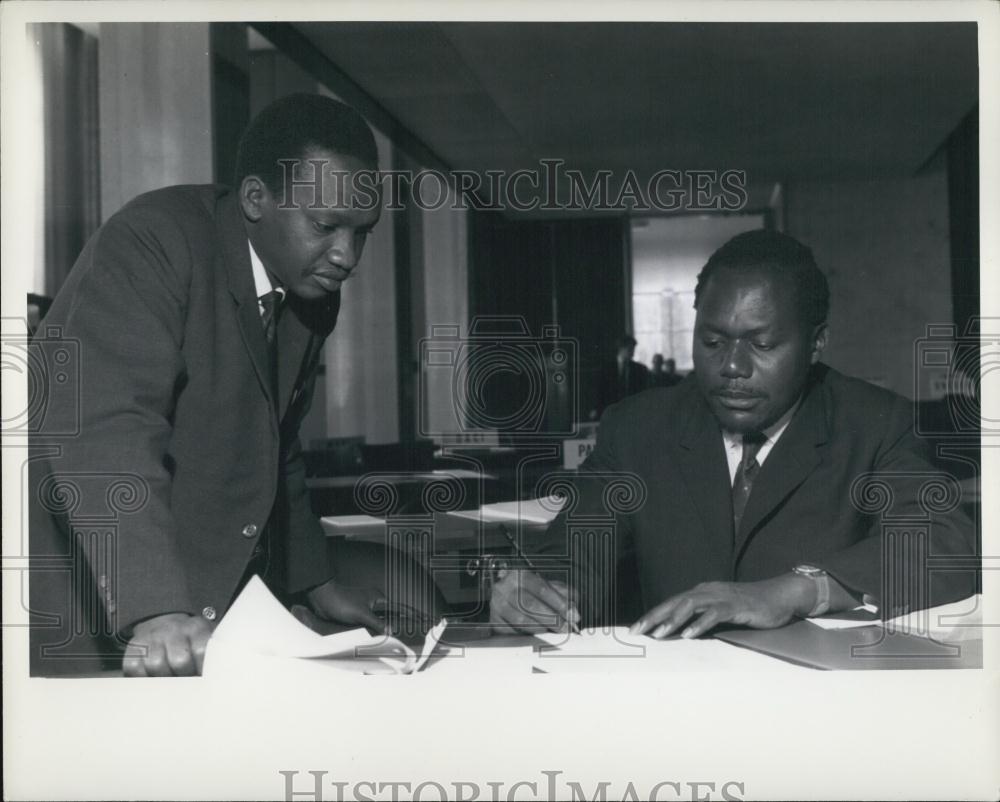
200,313
748,467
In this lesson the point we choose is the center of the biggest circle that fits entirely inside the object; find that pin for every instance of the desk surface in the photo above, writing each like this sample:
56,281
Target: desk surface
801,645
466,528
798,647
399,478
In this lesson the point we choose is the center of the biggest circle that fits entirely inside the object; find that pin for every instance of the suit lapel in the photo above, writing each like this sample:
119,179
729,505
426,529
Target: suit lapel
788,465
302,330
293,342
236,254
702,462
302,325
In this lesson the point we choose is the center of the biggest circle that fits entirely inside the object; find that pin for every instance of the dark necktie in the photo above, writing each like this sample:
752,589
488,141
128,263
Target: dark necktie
745,474
270,304
270,308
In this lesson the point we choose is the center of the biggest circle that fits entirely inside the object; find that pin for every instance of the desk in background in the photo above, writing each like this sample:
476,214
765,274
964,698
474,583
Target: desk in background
445,545
339,495
487,475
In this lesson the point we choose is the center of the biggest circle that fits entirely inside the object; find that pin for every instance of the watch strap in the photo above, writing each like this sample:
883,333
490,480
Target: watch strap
822,581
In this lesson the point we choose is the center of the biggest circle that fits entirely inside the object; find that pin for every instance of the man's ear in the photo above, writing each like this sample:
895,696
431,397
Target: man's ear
255,197
819,338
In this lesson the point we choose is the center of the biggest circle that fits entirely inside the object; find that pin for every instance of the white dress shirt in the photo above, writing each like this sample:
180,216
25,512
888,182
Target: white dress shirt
261,280
734,454
734,442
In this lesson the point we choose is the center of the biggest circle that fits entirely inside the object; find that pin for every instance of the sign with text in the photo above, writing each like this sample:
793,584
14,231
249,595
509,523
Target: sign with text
576,451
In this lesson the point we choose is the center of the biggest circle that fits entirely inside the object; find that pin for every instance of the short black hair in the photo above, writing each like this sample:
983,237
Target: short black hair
627,341
781,255
293,124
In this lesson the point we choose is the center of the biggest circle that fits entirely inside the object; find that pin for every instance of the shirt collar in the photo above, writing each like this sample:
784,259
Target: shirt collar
261,280
771,433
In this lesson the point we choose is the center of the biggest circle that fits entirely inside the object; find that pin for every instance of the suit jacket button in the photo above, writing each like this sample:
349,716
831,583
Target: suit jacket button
250,530
209,613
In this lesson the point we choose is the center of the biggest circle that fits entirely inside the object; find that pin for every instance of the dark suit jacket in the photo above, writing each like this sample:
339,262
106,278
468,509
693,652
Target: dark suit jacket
183,453
614,386
664,379
815,500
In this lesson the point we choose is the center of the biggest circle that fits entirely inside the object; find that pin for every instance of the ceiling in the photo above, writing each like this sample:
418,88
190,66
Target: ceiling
784,102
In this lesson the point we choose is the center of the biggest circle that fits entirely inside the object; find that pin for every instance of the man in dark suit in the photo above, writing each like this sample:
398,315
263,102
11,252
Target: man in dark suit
664,373
200,313
621,378
757,483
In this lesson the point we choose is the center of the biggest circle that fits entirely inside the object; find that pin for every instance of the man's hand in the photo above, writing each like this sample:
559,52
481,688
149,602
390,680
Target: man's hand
171,645
346,605
764,605
524,602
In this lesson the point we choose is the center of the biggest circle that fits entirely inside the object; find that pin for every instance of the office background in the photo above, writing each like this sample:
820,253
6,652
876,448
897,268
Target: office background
859,139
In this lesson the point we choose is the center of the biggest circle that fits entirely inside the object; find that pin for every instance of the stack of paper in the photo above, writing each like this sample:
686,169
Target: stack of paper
258,626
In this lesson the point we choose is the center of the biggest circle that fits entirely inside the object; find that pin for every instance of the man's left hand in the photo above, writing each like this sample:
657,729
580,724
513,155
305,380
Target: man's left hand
346,605
764,605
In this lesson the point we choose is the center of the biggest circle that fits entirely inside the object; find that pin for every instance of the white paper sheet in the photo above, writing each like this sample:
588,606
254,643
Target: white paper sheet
482,659
959,620
835,622
616,651
530,511
611,651
460,473
348,525
257,625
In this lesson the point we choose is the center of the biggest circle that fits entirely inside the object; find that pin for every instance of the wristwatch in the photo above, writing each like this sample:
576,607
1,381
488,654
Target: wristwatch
822,580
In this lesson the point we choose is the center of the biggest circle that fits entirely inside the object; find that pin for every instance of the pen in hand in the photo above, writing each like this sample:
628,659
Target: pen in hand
573,625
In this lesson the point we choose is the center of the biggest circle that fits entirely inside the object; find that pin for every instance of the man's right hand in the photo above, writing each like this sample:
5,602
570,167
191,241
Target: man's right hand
524,602
171,645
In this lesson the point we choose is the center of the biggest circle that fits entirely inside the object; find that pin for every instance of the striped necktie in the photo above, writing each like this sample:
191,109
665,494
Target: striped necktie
745,474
